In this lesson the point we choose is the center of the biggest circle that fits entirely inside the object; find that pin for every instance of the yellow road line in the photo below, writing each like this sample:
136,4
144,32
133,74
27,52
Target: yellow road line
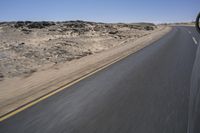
59,89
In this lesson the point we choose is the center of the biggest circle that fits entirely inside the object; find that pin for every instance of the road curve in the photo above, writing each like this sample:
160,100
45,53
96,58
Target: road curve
147,92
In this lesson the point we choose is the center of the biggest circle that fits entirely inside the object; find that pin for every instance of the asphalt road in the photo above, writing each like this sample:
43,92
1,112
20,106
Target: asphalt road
147,92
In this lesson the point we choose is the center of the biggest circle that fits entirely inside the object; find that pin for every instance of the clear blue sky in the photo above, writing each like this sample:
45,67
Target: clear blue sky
100,10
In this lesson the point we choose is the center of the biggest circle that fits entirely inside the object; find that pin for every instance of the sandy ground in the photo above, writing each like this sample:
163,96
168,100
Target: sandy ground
81,54
26,47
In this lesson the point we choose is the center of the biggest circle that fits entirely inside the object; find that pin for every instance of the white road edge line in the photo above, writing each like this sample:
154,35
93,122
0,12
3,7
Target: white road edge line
195,41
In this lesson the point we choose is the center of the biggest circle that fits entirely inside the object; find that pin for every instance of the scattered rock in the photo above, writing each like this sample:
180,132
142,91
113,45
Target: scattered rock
29,72
26,31
26,45
30,25
36,25
113,32
19,24
149,28
1,76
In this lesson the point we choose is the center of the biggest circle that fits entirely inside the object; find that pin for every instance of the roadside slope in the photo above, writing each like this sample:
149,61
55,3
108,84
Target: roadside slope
20,91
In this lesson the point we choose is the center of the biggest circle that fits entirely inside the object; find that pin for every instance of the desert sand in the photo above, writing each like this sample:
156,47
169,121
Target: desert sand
27,46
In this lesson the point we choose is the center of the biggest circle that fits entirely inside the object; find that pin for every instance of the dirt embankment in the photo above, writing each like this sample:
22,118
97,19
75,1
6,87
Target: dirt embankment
27,46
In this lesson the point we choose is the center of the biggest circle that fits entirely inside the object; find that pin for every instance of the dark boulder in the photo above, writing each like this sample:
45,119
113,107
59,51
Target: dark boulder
19,24
113,32
1,76
36,25
149,28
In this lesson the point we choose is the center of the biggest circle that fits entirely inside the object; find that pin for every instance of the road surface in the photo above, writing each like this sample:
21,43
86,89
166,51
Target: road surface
147,92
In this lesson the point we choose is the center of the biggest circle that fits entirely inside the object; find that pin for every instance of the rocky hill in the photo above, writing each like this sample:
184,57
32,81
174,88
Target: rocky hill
26,46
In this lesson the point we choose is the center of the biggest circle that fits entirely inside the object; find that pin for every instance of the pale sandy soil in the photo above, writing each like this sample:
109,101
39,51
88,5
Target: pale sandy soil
18,88
24,49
